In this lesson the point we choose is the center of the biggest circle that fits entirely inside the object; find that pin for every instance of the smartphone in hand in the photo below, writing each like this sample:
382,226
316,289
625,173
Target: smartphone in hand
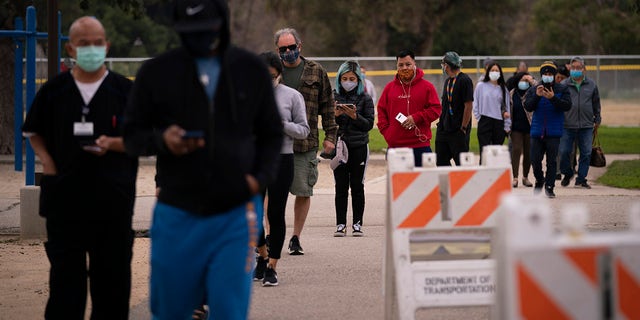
196,134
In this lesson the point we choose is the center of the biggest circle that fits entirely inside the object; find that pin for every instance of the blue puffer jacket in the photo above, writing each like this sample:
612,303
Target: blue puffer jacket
548,114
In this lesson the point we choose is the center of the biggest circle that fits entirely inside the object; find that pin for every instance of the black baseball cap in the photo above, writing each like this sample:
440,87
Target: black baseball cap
197,15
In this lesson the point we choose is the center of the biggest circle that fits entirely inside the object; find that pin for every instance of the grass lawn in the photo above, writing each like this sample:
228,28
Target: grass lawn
614,140
622,174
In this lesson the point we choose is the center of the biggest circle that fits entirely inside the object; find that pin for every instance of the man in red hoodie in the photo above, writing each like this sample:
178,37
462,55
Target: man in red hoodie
407,106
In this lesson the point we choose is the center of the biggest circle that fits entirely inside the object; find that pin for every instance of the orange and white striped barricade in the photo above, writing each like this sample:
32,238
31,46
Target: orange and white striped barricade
450,211
542,274
625,275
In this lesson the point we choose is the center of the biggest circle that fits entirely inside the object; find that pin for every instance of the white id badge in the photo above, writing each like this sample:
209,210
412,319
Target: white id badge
83,128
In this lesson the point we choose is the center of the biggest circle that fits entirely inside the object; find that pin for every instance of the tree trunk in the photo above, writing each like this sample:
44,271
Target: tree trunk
7,70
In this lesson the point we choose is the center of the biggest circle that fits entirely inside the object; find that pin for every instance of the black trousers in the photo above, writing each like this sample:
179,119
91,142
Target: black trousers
490,132
351,175
108,244
449,145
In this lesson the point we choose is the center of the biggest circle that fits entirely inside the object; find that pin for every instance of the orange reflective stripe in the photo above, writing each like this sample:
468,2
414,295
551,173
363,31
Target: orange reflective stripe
457,180
586,259
628,291
401,181
426,210
487,204
534,302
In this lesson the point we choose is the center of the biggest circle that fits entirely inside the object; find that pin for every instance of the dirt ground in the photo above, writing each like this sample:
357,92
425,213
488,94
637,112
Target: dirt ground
24,266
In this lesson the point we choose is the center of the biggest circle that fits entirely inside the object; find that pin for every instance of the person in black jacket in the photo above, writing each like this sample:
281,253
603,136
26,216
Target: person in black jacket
354,116
207,109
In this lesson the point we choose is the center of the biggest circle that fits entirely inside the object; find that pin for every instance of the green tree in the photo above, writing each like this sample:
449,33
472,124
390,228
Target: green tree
587,27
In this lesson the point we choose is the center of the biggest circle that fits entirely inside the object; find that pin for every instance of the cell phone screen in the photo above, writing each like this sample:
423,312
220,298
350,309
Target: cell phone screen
193,134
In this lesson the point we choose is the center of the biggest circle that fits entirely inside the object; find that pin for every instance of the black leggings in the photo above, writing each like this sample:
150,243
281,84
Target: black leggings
490,132
351,174
278,192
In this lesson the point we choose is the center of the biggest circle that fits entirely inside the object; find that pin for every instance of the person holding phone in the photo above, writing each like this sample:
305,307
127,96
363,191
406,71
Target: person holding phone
88,183
417,100
208,214
354,116
548,101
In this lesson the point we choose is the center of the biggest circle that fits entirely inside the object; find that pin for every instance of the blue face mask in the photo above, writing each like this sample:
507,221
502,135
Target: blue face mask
91,58
548,79
290,56
523,85
575,73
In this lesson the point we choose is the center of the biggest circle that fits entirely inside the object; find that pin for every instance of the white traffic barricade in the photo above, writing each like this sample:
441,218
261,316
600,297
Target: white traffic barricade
572,274
438,232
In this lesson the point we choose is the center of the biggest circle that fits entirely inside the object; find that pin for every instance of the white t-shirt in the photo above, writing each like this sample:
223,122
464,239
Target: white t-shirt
89,89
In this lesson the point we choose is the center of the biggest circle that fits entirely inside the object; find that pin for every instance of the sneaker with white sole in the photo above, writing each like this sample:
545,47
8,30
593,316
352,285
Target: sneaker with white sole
295,249
341,231
270,278
357,230
261,266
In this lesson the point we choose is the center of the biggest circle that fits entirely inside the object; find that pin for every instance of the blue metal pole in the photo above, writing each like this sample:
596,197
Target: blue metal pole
18,101
31,86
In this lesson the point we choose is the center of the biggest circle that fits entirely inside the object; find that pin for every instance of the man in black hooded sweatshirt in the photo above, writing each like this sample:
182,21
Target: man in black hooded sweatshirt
207,110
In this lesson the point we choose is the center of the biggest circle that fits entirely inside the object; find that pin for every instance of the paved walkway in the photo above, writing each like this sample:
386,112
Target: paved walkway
341,278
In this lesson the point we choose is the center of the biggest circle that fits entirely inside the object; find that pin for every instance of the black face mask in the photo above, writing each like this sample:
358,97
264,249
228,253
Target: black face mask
200,44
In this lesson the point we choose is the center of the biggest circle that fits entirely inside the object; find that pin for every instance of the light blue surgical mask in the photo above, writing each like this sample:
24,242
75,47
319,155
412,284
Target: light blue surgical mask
349,85
548,79
575,73
523,85
91,58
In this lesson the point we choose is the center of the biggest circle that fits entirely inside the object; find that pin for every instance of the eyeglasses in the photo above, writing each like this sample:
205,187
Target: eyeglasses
290,47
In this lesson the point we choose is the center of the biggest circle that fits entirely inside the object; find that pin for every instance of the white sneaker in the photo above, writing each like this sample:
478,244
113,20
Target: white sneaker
341,231
357,230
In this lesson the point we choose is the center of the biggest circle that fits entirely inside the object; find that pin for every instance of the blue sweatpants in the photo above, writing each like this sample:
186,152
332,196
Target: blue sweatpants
195,256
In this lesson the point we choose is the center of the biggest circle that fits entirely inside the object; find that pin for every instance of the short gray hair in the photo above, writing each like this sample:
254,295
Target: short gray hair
284,31
579,59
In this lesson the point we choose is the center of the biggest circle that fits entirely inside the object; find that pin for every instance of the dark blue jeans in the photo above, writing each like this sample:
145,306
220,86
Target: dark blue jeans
539,148
583,138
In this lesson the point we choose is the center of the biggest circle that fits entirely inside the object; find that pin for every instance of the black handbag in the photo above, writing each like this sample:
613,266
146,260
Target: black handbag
598,159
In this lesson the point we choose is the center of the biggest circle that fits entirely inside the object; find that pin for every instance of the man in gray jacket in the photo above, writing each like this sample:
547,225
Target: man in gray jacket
580,122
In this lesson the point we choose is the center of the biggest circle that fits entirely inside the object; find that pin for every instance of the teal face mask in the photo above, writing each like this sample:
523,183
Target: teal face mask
91,58
575,73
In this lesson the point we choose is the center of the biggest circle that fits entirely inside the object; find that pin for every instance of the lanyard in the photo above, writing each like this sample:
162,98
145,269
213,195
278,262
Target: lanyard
452,84
85,112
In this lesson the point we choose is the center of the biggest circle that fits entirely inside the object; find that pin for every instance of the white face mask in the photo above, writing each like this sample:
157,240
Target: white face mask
349,85
548,79
494,75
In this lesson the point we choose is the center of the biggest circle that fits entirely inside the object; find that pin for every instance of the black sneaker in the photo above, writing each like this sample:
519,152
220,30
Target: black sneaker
558,176
582,184
261,265
270,278
565,181
357,230
341,231
548,191
537,188
294,247
201,313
